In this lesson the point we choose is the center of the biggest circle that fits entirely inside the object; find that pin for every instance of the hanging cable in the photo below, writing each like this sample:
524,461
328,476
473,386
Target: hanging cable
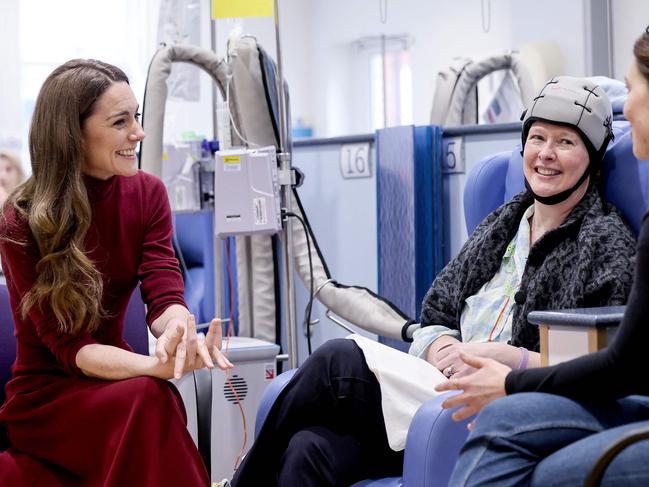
228,379
234,125
383,10
181,258
232,321
309,306
486,20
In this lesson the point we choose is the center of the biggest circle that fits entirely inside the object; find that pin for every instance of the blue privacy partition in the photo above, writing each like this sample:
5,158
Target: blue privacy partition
342,215
410,216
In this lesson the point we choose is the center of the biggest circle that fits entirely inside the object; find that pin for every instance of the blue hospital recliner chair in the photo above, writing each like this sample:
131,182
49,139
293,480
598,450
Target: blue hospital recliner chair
8,345
434,439
194,242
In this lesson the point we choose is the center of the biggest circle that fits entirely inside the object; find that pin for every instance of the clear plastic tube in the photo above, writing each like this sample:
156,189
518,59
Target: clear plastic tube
223,125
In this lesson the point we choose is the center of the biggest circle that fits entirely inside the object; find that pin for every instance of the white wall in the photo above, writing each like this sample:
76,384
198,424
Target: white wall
630,18
183,116
54,32
328,80
10,110
437,38
442,29
38,35
329,86
559,21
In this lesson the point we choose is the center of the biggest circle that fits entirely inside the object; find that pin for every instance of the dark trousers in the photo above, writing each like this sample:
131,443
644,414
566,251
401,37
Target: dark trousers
326,427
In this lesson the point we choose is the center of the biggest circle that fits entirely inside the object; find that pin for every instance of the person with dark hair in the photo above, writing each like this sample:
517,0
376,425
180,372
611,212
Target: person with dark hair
570,413
76,239
345,414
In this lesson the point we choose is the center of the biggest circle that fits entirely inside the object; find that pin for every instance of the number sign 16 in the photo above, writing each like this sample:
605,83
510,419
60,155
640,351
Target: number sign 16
355,160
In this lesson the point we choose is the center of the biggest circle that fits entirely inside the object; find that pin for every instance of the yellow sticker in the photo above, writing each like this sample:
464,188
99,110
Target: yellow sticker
226,9
232,160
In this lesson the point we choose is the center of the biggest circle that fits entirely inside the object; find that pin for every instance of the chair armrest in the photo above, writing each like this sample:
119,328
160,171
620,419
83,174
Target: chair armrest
566,334
433,444
619,445
270,394
195,389
601,317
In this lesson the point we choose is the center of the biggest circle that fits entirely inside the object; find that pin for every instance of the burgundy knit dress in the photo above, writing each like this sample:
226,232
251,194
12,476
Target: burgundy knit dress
64,428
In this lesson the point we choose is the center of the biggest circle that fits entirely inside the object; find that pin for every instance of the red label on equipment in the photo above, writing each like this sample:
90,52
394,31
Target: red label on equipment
269,372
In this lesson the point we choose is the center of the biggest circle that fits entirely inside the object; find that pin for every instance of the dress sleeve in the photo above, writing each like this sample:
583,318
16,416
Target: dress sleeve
614,372
19,258
159,272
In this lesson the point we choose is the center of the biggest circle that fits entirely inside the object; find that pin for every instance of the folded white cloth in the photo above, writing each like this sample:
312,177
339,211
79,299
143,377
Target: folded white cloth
406,383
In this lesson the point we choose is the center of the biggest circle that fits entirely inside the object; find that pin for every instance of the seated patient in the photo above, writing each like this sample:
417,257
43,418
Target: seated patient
344,415
570,413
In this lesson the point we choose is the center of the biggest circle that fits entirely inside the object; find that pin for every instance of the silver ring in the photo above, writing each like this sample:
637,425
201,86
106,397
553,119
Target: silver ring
449,371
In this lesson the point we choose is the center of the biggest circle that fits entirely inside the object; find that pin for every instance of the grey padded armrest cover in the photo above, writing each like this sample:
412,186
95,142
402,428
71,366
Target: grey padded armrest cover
156,95
601,317
462,107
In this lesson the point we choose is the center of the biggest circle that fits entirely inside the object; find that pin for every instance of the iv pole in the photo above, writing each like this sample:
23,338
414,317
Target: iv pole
286,178
219,306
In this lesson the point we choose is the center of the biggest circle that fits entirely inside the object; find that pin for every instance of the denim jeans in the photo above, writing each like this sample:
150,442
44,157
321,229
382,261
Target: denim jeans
545,440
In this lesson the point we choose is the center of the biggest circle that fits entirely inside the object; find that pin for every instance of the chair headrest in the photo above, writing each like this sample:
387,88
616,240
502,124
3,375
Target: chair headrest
626,180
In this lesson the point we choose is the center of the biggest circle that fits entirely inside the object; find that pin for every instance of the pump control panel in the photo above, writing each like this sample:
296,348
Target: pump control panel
246,192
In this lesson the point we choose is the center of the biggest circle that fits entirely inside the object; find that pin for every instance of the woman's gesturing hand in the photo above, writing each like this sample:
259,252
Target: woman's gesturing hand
181,342
479,388
210,349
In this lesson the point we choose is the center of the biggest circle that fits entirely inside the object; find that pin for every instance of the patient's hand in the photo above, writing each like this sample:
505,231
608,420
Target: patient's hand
478,389
448,360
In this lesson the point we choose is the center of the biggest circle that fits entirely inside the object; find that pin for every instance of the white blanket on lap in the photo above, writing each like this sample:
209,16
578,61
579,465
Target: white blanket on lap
406,383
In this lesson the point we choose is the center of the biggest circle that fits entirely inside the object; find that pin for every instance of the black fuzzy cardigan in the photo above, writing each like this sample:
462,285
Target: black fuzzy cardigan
587,261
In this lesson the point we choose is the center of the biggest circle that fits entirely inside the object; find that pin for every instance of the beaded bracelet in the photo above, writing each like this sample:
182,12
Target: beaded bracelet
524,358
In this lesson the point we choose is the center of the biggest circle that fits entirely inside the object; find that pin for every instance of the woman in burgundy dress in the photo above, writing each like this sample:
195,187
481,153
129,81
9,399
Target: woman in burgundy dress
75,240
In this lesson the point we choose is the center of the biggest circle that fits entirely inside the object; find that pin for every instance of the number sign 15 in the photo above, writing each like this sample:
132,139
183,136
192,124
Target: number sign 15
355,160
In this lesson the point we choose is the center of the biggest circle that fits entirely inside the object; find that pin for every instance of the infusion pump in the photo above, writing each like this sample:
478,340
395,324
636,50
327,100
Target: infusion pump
246,192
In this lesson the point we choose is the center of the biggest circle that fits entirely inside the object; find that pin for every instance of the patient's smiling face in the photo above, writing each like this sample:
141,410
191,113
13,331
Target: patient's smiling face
555,157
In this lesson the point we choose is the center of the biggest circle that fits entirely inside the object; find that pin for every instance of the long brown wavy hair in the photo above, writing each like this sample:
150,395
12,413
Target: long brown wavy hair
641,53
54,199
